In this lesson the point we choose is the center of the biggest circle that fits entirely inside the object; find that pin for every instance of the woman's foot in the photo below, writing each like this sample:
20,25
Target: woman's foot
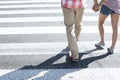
100,45
110,51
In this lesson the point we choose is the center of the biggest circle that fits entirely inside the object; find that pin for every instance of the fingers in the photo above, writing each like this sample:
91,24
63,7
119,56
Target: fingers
95,7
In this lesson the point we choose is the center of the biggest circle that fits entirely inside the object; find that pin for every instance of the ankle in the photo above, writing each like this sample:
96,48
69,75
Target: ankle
102,42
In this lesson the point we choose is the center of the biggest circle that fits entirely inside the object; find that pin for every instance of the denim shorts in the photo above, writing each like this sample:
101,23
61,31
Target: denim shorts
106,11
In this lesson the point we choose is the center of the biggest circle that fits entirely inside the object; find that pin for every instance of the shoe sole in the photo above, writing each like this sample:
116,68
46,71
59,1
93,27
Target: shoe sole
100,47
109,52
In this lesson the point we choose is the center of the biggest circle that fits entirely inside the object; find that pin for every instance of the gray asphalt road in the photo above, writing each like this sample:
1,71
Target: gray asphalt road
29,53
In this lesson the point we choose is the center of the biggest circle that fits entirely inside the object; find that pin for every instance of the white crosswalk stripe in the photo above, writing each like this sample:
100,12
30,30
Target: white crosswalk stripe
35,19
15,53
31,11
48,30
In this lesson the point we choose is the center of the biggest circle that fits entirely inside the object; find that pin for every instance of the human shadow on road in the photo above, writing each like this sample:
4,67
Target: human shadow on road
54,71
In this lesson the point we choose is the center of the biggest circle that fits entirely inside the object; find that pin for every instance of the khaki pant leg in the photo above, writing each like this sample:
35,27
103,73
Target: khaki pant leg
78,22
69,17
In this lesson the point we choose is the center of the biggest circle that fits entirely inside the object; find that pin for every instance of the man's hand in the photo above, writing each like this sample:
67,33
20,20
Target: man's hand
95,7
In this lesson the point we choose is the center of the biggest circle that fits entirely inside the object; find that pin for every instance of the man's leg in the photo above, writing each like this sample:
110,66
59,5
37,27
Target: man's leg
69,21
78,22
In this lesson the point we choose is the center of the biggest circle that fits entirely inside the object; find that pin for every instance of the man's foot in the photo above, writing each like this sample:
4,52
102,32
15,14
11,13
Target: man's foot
74,60
110,51
100,45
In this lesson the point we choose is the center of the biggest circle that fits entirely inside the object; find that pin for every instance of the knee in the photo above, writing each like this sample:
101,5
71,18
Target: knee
70,24
115,30
69,28
101,22
78,27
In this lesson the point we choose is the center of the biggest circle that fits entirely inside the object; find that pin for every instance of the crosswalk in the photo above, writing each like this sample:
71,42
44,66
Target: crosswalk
33,44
